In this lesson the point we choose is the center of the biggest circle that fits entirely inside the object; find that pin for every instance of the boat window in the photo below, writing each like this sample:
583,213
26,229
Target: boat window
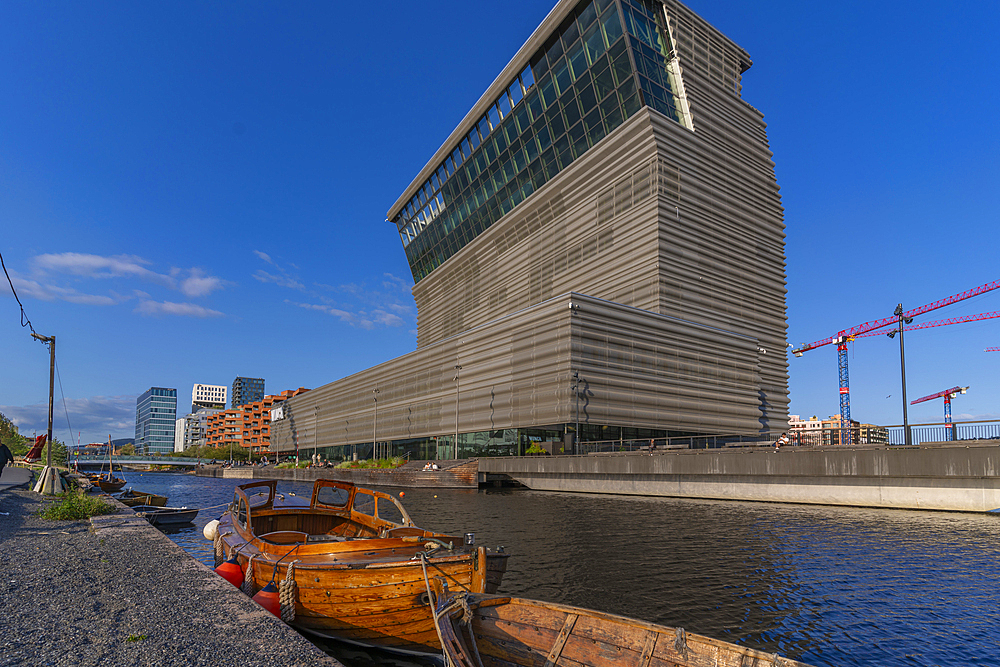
364,503
241,515
387,510
333,496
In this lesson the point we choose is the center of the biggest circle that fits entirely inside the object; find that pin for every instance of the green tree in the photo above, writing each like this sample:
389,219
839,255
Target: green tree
17,443
127,449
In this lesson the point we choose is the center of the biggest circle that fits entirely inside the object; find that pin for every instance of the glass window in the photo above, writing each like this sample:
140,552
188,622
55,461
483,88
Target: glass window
515,92
587,98
587,15
504,104
490,150
332,496
494,117
543,138
547,91
474,138
501,141
612,27
561,76
466,149
554,53
534,105
521,121
434,182
594,126
577,60
387,510
570,31
457,158
484,127
527,78
449,166
571,111
364,503
593,40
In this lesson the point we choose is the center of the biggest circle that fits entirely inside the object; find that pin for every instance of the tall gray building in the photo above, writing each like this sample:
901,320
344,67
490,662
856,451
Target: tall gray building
247,390
155,421
600,240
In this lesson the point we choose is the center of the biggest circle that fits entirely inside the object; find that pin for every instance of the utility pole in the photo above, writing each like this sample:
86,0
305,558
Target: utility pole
50,480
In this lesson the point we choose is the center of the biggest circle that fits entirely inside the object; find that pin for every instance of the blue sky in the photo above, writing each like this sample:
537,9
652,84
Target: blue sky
195,191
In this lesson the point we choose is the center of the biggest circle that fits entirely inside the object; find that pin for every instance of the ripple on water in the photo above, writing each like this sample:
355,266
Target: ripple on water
826,585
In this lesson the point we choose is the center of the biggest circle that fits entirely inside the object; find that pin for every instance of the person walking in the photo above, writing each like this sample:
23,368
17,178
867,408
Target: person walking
5,457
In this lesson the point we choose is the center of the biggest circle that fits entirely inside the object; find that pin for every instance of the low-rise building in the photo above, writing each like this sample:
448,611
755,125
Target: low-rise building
815,432
246,426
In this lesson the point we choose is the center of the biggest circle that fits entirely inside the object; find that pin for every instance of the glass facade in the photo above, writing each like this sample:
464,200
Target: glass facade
606,60
155,421
247,390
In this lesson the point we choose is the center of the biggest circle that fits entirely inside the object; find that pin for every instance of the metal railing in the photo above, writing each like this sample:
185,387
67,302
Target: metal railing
676,442
940,432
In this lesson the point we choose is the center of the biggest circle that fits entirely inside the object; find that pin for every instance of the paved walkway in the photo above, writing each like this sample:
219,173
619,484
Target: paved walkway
14,477
120,592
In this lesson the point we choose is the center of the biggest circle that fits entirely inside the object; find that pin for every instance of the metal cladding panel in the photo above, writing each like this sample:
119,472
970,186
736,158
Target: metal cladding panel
552,244
639,369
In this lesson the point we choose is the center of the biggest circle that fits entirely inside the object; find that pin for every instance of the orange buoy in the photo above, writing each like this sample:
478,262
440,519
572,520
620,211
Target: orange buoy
231,571
267,598
401,494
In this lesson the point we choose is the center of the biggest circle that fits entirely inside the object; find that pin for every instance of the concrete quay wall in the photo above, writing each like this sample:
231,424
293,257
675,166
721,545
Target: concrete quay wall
953,477
460,475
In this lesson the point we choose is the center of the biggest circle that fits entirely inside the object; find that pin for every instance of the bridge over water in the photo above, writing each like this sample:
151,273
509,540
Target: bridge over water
90,462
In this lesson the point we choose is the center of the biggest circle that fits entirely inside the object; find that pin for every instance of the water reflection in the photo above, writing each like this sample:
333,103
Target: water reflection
826,585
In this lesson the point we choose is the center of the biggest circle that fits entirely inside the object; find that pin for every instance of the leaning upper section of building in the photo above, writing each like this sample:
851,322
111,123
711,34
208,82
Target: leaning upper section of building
590,66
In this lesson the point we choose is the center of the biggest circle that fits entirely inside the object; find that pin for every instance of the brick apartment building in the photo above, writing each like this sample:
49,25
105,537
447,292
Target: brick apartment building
247,425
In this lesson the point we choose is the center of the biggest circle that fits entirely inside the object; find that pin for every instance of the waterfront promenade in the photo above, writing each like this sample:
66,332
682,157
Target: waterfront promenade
117,591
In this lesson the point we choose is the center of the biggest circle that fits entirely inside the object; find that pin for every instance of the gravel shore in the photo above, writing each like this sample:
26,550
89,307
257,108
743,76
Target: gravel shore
119,592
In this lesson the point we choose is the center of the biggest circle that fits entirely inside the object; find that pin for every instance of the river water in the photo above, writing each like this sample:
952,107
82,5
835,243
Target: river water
825,585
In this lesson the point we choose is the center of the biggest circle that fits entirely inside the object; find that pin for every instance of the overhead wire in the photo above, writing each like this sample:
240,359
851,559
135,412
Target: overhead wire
25,322
62,394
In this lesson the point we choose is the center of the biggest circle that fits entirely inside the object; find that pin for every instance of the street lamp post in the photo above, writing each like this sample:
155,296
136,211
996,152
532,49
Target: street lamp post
51,479
907,438
458,369
576,390
375,393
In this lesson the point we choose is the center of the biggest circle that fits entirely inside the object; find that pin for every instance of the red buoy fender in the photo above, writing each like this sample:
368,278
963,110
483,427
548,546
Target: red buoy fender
267,598
231,571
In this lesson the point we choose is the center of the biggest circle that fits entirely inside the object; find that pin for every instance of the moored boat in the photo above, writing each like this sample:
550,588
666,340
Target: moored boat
495,631
360,567
166,516
131,498
109,483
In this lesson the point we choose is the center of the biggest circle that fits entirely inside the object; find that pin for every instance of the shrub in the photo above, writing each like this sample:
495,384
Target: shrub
74,506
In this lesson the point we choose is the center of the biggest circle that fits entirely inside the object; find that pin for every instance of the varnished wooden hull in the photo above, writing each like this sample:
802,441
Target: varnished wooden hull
141,498
358,578
112,485
509,632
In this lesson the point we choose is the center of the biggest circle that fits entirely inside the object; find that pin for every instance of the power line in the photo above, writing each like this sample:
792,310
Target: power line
65,409
25,322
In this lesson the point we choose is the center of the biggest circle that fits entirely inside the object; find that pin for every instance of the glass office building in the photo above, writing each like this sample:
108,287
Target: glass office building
247,390
598,252
155,421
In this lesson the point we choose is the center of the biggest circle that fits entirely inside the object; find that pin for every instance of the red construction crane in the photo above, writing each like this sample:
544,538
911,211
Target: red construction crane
947,394
899,318
938,323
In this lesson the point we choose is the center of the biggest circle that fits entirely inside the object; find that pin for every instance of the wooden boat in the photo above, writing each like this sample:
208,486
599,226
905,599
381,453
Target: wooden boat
166,516
131,498
108,482
506,632
360,565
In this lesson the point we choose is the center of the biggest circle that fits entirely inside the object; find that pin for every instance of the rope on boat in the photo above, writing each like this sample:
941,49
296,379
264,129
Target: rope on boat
220,547
248,583
286,594
432,603
460,601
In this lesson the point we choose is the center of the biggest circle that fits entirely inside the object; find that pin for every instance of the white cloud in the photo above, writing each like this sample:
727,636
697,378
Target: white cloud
96,417
361,318
170,308
198,284
96,266
264,256
36,290
281,281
